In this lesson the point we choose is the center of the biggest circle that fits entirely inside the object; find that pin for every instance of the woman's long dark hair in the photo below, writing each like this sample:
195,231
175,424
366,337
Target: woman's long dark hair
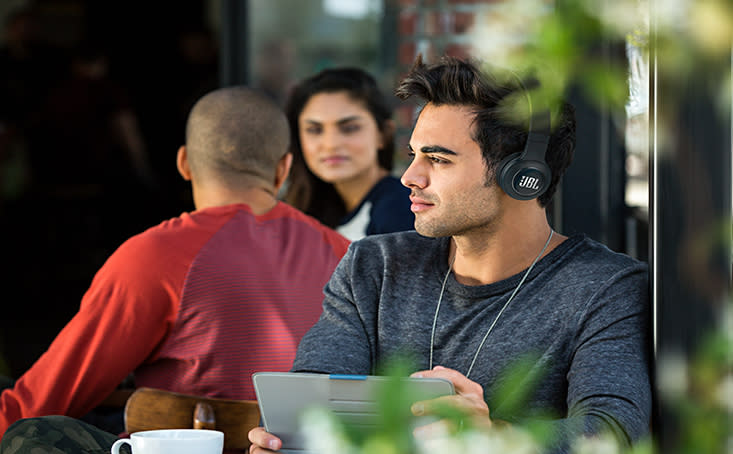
306,191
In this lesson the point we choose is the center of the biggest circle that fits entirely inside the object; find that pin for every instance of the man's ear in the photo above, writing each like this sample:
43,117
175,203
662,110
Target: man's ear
283,170
182,163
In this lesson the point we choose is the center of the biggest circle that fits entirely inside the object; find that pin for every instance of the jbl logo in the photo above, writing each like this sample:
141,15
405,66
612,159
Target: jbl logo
529,183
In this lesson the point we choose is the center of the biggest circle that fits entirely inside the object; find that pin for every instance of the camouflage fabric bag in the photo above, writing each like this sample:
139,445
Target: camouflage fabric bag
56,435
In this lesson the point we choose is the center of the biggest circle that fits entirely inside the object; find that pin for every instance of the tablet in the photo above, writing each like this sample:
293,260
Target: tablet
283,397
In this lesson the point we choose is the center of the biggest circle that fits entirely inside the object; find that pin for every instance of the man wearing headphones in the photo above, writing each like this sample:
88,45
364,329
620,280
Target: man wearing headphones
485,281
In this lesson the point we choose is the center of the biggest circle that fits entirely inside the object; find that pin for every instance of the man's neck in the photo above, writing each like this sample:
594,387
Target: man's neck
259,199
498,253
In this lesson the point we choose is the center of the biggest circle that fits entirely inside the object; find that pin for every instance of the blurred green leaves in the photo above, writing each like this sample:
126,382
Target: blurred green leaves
580,43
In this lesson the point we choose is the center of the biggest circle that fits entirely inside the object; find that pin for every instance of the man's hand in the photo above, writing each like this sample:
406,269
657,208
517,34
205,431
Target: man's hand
263,441
469,399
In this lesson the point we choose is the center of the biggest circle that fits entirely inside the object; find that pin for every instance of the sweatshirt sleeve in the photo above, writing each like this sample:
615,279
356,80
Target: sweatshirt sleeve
608,382
123,316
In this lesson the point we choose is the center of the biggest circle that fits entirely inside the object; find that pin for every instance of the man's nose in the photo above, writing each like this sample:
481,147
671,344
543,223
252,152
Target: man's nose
414,176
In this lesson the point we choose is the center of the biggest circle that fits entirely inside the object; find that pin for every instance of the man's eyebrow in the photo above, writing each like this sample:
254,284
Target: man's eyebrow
434,149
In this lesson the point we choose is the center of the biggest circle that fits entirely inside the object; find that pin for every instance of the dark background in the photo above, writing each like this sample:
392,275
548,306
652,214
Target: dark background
74,209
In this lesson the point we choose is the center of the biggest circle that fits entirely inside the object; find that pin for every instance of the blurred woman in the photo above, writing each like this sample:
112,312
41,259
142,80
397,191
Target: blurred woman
342,140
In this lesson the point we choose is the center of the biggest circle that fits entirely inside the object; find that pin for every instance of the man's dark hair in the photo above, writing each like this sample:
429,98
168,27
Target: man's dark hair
453,81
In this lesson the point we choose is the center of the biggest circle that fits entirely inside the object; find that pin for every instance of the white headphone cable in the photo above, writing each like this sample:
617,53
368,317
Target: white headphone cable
516,289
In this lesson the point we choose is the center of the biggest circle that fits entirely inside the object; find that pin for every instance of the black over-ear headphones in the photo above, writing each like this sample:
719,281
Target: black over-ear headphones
526,175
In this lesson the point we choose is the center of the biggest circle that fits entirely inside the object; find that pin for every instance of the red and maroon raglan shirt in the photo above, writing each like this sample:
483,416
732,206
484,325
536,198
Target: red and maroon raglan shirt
195,305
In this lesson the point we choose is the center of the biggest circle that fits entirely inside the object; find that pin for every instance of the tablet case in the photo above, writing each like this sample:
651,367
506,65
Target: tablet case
284,396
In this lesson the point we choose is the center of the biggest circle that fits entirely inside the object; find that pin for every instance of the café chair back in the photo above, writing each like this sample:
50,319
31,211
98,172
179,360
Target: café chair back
151,409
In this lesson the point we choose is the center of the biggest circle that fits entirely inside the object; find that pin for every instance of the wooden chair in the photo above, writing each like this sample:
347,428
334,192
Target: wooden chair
150,409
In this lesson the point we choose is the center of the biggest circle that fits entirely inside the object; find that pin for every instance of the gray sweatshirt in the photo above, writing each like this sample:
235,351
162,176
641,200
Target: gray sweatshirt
581,319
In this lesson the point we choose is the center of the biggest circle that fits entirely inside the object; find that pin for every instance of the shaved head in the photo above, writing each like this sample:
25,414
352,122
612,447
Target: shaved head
235,135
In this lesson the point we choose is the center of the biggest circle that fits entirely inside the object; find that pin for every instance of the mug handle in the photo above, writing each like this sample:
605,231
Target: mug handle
118,443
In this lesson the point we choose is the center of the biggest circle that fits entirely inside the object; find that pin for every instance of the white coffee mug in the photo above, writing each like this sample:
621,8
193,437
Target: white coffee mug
173,441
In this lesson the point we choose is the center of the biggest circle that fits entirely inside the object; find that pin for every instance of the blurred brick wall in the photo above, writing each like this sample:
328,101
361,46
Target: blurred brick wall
432,28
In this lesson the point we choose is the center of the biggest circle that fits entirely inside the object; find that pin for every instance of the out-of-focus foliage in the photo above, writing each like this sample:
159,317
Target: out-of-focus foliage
574,45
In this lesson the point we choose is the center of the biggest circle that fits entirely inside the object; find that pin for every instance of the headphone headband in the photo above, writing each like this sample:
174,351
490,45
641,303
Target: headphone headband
526,175
537,137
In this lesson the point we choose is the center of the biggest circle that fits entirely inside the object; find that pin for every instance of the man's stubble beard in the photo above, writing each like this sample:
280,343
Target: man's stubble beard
448,224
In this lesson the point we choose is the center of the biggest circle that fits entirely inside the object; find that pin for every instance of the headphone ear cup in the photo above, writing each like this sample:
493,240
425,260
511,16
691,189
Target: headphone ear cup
523,179
503,176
